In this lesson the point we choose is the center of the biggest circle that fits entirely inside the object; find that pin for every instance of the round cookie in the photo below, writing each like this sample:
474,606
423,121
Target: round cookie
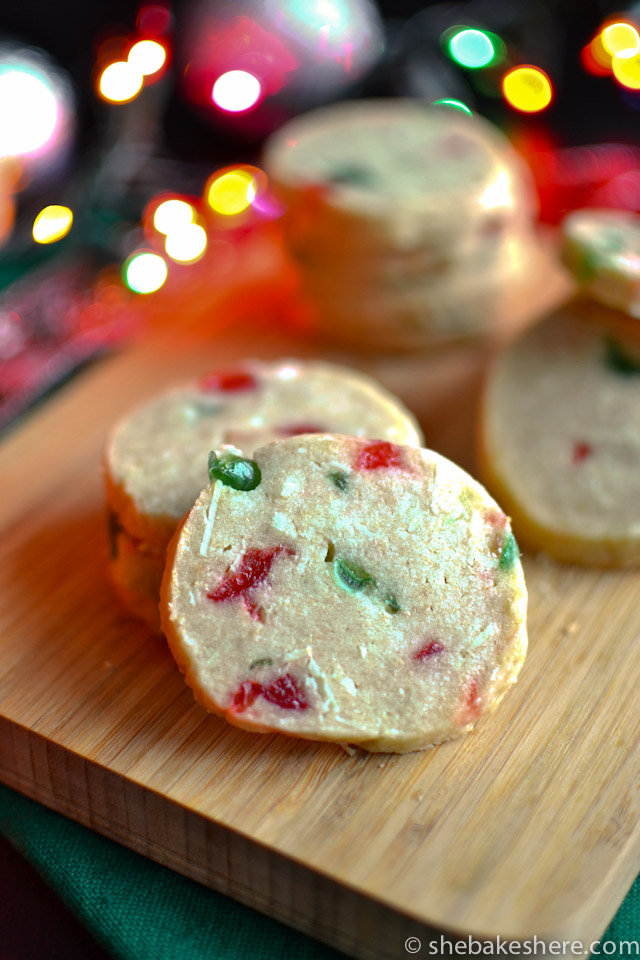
395,175
156,458
602,249
453,305
560,436
359,592
136,575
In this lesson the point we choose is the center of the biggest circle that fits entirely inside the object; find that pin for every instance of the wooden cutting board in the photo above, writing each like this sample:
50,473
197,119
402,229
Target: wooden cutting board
527,826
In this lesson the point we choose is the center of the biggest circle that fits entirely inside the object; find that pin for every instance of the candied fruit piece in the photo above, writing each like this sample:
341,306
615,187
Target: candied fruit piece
246,695
618,358
339,479
285,693
252,571
378,455
234,471
350,576
509,553
262,662
229,381
430,649
391,604
581,451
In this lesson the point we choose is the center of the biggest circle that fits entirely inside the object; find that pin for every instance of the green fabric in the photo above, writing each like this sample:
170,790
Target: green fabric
137,910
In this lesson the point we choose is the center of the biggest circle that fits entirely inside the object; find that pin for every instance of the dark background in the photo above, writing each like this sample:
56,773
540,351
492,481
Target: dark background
547,34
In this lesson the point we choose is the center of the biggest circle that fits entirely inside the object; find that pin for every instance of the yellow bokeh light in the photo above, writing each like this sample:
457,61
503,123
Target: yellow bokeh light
627,72
621,40
145,272
232,192
172,214
527,89
120,82
600,55
186,242
53,223
147,56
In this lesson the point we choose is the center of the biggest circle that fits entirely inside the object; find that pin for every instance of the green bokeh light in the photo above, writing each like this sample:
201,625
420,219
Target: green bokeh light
452,104
472,48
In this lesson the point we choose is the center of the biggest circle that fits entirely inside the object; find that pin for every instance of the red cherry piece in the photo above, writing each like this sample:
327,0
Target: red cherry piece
495,517
429,650
245,695
581,451
293,429
379,455
253,570
472,701
286,693
229,381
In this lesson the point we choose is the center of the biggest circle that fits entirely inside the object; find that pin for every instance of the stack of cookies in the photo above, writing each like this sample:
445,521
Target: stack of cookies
560,425
337,583
156,458
411,225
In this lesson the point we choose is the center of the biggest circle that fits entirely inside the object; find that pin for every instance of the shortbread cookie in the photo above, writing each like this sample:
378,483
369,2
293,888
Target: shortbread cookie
602,248
454,305
359,592
395,175
156,458
560,436
136,574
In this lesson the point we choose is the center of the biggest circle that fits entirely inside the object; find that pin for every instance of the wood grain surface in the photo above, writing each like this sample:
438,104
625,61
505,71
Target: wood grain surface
530,825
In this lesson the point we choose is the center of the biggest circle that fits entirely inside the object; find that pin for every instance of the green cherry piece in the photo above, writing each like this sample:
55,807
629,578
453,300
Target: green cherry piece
509,553
617,358
350,576
353,175
391,605
262,662
339,479
234,471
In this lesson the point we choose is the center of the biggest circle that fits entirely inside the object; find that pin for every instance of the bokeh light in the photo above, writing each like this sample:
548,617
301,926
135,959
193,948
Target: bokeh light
53,223
147,56
236,91
471,48
186,243
452,105
172,215
621,40
627,72
120,82
595,58
28,111
154,19
231,192
527,89
145,272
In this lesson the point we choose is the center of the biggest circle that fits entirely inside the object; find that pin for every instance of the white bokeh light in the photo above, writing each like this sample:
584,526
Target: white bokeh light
28,112
236,91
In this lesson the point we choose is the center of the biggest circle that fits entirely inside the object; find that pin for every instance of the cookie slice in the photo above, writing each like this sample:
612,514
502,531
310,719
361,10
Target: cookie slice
361,592
602,249
156,458
136,574
436,309
394,176
560,436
